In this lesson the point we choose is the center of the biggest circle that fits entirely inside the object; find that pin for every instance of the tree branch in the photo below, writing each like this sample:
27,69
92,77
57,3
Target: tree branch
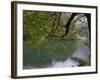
67,25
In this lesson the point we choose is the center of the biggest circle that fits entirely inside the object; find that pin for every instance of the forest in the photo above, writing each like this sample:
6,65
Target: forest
56,39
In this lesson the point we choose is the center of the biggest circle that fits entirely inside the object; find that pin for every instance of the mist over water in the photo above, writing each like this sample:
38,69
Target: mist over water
67,63
82,52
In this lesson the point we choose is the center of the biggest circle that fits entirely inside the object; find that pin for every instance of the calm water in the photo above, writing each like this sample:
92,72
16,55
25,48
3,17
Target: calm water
34,57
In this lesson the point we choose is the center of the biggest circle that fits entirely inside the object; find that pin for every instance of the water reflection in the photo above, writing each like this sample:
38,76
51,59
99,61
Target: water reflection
80,56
